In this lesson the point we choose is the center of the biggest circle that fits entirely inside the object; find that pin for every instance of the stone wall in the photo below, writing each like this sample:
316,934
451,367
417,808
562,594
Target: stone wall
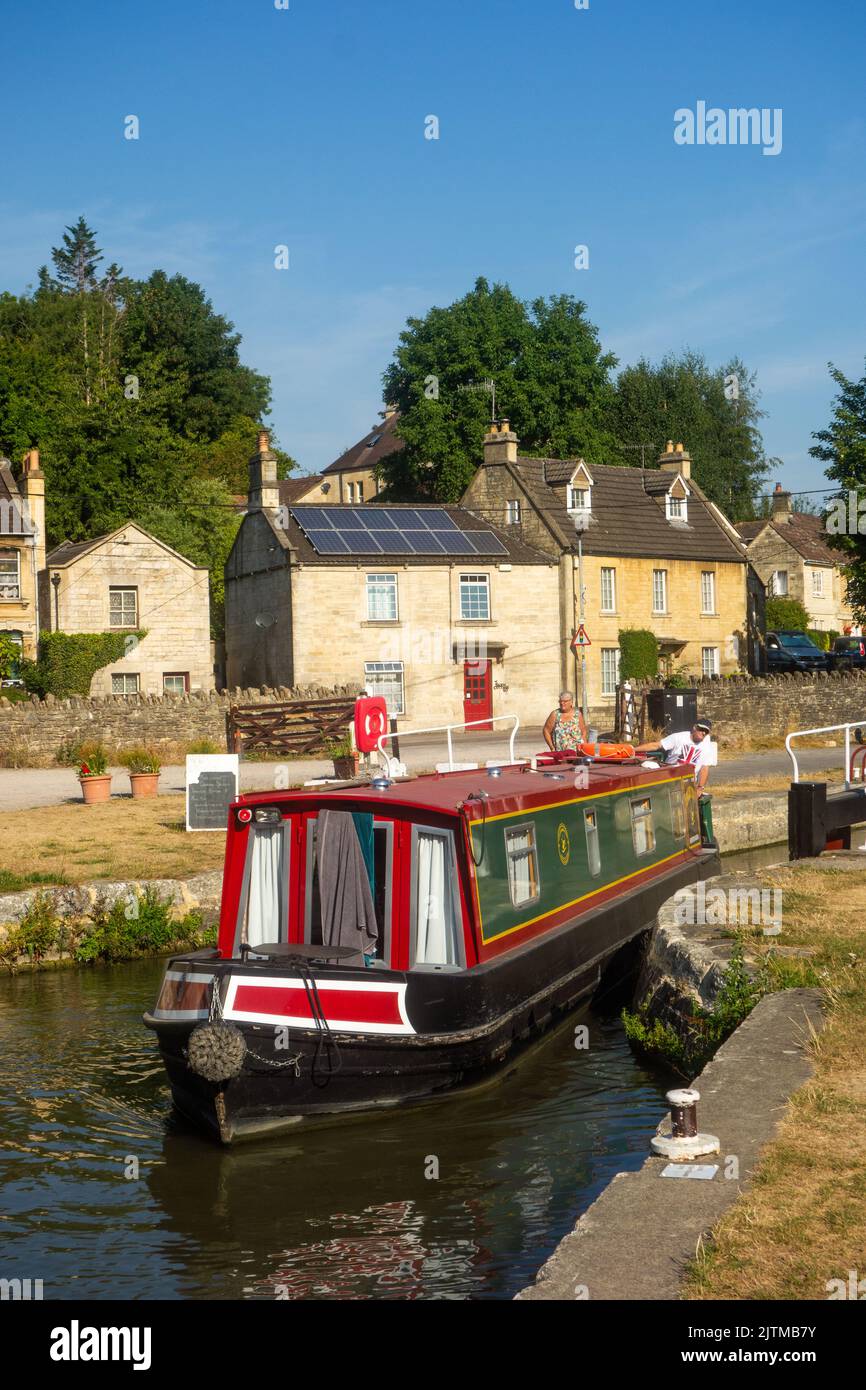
31,732
769,707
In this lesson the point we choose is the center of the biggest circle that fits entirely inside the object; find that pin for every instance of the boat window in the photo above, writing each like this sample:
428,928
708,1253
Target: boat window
593,848
642,829
383,844
437,934
522,859
678,811
266,915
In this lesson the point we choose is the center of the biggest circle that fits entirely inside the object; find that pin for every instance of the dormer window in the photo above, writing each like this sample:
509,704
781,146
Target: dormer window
579,491
676,501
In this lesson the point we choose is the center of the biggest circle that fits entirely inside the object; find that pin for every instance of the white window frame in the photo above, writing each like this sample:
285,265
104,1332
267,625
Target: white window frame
381,587
660,583
574,492
10,589
709,667
776,589
676,508
360,489
606,687
608,591
593,841
122,591
182,676
708,591
525,827
471,585
818,584
350,492
512,512
374,670
125,677
641,809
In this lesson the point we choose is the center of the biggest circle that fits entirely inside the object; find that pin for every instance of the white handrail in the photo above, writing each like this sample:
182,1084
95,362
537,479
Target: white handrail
828,729
447,729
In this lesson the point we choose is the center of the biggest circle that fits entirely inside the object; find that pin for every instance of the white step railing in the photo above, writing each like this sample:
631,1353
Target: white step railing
394,768
828,729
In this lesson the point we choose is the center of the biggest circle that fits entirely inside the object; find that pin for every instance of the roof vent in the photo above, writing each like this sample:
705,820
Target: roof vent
494,772
380,784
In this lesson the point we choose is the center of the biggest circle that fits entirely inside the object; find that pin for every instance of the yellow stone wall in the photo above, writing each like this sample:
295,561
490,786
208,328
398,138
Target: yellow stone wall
334,638
684,619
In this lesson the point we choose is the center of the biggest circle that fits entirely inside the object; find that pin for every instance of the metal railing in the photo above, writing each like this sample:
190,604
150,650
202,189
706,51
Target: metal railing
448,730
857,724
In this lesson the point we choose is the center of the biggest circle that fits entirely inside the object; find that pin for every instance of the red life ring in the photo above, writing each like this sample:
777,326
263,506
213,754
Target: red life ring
371,722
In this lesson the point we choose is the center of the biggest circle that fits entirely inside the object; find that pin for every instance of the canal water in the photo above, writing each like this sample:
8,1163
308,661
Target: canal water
104,1193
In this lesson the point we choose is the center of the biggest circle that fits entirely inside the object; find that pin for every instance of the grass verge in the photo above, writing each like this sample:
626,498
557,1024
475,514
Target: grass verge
803,1221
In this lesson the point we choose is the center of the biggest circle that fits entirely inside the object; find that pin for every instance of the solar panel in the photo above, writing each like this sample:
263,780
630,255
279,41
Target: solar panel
485,543
394,542
347,519
327,542
455,542
434,517
311,516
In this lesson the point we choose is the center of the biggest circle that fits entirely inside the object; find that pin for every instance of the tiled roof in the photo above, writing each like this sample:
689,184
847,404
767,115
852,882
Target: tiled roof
370,450
804,533
627,517
70,550
517,553
293,489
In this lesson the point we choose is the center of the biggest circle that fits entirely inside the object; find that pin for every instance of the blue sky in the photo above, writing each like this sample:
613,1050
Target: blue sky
305,127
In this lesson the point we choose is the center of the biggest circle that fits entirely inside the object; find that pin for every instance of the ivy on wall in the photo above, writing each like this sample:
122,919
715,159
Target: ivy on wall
68,661
639,654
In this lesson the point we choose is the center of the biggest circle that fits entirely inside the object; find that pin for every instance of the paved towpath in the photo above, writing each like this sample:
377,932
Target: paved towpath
28,787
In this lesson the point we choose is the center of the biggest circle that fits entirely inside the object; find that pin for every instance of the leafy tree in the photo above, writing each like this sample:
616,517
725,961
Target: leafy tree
842,447
786,614
202,526
550,375
683,399
131,389
10,656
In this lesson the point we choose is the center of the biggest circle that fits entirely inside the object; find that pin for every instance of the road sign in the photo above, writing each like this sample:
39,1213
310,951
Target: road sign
580,639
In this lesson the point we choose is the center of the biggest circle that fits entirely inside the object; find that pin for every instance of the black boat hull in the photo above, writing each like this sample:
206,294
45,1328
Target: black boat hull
465,1024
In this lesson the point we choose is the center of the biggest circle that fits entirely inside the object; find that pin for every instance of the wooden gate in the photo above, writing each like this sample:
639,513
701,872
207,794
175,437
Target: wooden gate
293,727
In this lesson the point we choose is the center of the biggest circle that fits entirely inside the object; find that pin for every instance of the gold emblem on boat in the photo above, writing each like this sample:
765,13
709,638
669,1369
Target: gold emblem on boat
563,844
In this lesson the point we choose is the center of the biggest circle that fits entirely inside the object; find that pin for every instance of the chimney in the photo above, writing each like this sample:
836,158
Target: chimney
500,443
33,492
781,504
264,491
675,460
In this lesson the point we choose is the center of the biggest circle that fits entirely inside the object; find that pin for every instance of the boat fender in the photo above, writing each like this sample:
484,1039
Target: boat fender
216,1051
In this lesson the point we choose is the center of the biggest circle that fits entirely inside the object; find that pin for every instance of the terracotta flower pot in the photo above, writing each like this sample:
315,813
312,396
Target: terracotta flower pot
143,784
96,788
347,767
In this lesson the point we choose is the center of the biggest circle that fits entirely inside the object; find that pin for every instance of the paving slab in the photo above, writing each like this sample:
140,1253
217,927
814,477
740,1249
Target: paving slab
637,1238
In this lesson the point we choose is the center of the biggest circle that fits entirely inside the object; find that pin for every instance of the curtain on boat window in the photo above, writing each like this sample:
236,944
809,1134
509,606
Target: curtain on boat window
267,906
437,941
522,864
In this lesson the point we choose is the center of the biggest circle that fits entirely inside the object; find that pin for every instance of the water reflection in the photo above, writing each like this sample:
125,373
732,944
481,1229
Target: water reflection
347,1210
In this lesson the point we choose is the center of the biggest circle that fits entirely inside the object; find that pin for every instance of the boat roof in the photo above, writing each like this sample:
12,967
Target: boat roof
479,791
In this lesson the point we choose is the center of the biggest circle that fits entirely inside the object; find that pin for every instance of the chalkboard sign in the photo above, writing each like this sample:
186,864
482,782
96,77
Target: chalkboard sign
211,787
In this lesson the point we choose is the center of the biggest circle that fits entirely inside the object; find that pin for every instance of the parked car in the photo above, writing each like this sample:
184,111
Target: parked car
848,653
788,650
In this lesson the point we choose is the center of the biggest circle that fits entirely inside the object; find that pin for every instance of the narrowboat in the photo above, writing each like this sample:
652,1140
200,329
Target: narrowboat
385,941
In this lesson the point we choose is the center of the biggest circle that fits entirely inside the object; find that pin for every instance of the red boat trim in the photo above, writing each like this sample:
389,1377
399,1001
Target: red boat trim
350,1006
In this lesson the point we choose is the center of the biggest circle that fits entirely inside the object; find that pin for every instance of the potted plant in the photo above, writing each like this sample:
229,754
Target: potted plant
94,778
345,756
144,768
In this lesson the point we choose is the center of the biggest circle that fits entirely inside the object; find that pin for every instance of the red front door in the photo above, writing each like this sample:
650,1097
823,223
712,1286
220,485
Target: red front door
477,692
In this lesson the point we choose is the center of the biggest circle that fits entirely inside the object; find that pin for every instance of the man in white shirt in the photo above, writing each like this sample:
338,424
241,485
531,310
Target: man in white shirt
691,746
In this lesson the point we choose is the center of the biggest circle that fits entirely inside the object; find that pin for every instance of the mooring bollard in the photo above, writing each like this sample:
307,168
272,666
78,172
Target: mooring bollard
684,1141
